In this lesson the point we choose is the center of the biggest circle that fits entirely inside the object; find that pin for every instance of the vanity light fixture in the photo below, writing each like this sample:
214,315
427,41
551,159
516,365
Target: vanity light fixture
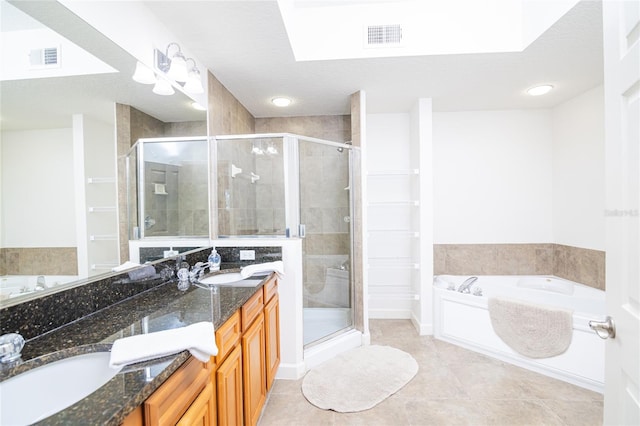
281,102
540,90
143,74
178,69
177,65
163,87
194,82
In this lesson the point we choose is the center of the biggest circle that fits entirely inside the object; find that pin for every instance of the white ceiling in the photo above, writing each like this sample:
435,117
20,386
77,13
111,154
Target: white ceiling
245,45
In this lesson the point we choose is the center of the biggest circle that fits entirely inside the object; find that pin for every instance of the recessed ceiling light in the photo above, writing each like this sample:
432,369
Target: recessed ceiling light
281,102
540,90
197,106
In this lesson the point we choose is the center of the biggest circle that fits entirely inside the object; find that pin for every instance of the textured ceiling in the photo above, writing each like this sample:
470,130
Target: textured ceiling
245,45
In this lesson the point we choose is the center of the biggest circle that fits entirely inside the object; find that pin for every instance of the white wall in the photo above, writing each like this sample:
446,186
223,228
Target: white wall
41,201
492,177
578,171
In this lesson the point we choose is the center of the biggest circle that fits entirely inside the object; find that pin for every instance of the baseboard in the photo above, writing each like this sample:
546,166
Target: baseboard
290,371
324,351
423,329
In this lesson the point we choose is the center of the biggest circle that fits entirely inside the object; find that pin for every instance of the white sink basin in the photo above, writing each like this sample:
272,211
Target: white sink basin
46,390
230,278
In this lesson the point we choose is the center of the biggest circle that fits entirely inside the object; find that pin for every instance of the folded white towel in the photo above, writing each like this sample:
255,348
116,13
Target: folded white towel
198,338
250,270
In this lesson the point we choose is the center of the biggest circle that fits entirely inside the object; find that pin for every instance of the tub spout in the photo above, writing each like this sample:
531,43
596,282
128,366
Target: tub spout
465,287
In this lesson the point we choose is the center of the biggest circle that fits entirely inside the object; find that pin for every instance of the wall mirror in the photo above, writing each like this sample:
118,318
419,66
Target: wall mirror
63,90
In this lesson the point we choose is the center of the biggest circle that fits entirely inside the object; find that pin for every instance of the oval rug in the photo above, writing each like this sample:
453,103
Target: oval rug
359,379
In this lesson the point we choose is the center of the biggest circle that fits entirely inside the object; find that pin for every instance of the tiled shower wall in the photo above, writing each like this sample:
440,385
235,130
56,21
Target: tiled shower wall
325,170
132,125
38,261
581,265
245,206
182,211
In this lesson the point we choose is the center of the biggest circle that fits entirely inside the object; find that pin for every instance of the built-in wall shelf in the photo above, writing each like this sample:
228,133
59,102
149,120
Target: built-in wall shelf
103,209
414,203
395,296
401,172
399,232
399,265
103,266
101,180
109,237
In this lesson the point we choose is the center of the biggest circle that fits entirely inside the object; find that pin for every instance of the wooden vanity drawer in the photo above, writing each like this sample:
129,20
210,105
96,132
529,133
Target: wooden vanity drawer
228,336
172,399
251,309
270,288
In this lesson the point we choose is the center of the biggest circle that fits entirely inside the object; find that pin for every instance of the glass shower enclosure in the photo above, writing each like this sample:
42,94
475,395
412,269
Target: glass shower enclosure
168,188
283,185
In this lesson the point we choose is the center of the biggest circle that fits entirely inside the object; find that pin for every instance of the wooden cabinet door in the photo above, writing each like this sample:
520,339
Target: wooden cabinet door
172,399
254,372
203,410
272,339
229,387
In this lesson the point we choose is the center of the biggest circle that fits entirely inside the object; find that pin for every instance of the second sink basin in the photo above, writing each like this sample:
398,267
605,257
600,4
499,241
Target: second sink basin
230,278
46,390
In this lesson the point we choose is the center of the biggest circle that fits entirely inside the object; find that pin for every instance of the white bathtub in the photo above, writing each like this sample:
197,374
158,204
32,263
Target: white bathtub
463,319
20,285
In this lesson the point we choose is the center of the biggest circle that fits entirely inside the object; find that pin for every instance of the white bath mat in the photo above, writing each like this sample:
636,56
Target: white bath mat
359,379
531,330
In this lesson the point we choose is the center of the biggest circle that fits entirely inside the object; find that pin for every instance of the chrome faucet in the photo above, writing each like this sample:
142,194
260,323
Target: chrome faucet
198,270
10,347
465,287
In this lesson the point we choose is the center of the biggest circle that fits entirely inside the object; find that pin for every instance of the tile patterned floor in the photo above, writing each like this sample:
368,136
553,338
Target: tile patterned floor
454,386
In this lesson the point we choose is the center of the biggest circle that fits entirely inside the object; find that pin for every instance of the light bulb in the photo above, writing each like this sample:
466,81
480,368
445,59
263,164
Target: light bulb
540,90
194,85
178,68
163,87
281,102
143,74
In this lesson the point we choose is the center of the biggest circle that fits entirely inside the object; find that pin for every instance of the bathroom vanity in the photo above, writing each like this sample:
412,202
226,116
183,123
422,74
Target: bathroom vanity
230,388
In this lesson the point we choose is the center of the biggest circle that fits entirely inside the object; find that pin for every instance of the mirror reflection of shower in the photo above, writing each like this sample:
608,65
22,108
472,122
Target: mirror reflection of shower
168,188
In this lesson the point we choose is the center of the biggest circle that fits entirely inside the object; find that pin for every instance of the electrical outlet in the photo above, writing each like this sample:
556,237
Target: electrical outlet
247,255
170,253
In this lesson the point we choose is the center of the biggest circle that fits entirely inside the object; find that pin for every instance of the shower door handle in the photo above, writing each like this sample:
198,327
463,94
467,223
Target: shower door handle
604,329
301,231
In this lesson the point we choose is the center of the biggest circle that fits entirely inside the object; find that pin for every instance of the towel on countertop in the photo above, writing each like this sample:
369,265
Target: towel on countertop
198,338
249,270
534,331
126,265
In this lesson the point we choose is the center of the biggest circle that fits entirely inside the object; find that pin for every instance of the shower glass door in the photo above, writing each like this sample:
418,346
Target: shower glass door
325,214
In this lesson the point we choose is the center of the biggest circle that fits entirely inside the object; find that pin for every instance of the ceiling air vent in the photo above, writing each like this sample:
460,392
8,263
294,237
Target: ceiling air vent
384,35
47,57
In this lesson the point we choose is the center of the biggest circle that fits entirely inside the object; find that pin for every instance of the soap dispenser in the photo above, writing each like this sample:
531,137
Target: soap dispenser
214,260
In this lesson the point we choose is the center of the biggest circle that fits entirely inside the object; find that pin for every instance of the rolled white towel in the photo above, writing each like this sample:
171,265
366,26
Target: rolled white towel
198,338
250,270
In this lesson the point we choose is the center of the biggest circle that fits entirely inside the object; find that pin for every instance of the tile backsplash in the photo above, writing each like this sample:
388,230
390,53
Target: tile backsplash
581,265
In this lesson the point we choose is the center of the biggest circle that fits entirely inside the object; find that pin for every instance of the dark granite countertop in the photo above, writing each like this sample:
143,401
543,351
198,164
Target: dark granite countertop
161,308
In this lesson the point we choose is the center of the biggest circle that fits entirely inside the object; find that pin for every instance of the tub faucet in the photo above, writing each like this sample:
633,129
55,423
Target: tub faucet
465,287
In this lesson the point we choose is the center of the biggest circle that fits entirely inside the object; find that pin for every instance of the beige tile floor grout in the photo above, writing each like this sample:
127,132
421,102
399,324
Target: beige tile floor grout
454,386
